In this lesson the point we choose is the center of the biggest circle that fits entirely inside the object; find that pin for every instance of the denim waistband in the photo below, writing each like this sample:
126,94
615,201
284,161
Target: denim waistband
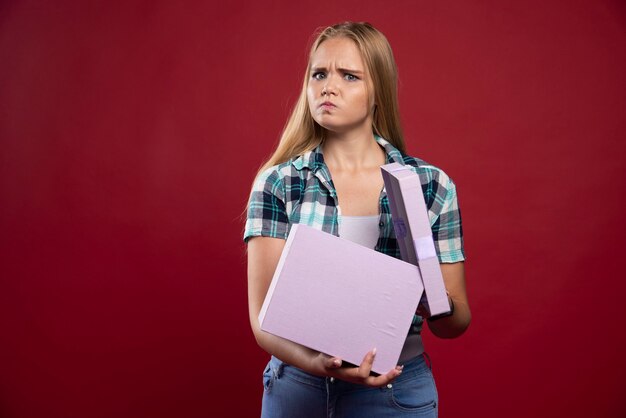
279,368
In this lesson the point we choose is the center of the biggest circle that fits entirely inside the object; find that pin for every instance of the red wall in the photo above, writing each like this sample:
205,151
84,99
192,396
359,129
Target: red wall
130,133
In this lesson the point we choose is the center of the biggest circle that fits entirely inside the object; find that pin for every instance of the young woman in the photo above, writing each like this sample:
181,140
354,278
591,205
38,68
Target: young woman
326,173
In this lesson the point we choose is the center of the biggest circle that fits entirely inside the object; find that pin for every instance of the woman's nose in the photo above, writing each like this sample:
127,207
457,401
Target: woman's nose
329,87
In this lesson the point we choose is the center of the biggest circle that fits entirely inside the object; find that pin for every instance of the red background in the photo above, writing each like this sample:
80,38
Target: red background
130,134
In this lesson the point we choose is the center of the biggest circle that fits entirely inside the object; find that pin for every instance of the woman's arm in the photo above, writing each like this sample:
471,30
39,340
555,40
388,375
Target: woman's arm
263,256
456,324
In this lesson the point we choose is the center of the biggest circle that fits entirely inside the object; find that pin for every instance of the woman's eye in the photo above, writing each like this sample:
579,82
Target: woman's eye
350,77
319,76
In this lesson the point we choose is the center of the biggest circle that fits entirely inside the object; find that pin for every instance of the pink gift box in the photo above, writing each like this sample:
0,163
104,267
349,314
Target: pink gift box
412,227
341,298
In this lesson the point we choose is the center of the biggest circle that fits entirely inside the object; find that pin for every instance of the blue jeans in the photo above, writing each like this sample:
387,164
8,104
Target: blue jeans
291,392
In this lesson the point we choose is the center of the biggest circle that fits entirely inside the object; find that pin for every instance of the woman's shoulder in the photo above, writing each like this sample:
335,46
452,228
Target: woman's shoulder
300,166
428,173
276,175
276,171
439,190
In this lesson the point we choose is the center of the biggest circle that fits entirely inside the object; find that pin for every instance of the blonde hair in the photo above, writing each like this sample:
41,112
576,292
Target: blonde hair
301,133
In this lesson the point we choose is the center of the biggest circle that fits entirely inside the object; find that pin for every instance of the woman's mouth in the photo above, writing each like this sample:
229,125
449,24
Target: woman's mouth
327,105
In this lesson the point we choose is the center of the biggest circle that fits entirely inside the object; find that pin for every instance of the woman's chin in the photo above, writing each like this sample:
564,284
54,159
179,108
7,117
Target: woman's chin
334,127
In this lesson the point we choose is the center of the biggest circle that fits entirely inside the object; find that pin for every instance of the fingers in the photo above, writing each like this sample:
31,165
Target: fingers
365,367
329,362
361,374
332,363
352,375
386,378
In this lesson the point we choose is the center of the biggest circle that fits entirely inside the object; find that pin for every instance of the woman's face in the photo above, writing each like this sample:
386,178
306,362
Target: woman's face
338,91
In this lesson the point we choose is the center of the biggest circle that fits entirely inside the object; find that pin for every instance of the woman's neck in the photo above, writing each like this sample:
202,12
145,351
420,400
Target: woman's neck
353,151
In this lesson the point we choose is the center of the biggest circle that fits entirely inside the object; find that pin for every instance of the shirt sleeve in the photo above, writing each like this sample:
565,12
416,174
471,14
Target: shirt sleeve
266,214
447,228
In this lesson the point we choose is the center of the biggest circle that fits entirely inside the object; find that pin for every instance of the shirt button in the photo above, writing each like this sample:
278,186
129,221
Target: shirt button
381,224
332,380
389,386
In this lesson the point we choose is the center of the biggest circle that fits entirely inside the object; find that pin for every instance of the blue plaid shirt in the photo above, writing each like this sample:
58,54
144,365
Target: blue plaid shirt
301,191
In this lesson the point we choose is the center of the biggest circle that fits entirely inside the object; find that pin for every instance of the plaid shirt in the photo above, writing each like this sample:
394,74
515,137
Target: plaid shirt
301,191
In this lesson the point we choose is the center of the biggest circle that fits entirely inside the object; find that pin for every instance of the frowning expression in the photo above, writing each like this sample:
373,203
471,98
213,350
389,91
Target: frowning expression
339,90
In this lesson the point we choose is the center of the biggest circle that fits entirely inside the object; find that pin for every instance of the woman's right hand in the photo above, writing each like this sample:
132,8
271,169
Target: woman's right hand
331,366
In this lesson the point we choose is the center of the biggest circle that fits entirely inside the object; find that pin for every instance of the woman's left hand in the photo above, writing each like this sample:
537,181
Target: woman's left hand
361,374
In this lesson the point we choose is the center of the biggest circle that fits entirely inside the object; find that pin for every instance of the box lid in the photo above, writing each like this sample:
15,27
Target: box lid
412,227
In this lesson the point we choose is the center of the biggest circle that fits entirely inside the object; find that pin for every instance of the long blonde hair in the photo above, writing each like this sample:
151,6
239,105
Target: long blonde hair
301,133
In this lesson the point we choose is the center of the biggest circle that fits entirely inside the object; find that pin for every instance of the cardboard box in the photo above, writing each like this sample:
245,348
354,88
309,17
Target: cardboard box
412,227
341,298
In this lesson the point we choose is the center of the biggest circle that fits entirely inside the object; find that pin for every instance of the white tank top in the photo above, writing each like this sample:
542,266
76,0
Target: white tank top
364,230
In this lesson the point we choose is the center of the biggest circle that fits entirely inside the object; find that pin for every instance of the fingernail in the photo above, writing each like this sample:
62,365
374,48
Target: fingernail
401,367
374,351
337,362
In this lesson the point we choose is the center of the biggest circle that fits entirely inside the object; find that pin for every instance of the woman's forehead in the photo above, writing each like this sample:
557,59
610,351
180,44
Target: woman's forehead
339,53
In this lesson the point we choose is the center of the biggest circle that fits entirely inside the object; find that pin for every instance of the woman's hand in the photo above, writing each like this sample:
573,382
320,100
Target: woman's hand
331,366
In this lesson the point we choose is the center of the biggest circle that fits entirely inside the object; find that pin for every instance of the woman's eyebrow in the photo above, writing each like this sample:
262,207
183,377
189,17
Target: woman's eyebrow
347,70
343,70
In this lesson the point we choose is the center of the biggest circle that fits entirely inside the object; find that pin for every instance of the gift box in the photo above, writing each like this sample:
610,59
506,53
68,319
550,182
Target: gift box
341,298
415,238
